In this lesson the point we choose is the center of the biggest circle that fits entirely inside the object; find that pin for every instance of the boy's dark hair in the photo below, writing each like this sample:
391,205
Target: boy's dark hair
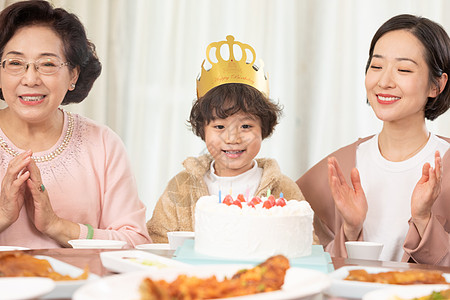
436,44
79,51
228,99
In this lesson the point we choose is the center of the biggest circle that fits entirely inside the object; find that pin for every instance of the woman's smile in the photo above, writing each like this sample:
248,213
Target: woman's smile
31,99
387,99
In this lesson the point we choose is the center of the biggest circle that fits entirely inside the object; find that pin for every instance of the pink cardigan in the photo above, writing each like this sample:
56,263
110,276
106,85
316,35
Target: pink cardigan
90,182
433,248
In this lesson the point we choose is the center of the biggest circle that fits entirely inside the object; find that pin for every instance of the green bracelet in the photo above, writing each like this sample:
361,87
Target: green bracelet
90,233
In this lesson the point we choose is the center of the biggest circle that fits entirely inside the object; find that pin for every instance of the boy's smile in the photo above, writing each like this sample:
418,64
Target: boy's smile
233,142
233,153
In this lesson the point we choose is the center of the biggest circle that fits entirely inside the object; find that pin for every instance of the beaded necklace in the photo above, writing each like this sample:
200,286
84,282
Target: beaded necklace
53,154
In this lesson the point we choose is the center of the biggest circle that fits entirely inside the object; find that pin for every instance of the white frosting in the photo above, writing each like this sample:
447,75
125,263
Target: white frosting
252,233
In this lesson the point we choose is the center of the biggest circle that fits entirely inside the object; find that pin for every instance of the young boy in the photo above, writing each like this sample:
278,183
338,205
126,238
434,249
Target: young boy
232,115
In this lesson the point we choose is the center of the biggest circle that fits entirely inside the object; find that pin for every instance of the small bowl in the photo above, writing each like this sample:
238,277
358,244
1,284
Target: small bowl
363,250
177,238
97,244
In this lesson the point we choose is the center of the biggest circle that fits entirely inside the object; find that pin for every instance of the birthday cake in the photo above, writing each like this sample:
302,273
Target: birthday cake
255,229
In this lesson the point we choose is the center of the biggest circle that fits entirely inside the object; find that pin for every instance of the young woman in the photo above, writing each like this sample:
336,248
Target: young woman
399,194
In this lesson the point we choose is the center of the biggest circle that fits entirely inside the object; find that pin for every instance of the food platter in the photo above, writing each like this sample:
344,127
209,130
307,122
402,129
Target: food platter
136,260
13,287
299,283
356,289
164,246
405,292
65,289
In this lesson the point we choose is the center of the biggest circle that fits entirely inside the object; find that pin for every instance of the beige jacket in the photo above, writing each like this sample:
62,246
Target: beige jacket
175,208
433,248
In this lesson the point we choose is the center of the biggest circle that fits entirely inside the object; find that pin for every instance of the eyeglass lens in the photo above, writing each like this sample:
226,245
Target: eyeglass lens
17,66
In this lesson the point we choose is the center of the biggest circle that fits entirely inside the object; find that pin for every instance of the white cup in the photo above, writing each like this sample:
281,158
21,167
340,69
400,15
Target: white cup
363,250
177,238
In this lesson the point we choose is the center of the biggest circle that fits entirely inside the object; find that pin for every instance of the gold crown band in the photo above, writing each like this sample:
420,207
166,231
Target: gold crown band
231,70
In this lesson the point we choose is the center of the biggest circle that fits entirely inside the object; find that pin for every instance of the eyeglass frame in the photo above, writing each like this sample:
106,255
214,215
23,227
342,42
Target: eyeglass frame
36,67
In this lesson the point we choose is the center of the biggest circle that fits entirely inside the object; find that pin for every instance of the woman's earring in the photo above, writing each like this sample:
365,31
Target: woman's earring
72,86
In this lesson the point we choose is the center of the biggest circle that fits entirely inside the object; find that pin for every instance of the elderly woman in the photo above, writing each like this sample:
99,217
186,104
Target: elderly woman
63,176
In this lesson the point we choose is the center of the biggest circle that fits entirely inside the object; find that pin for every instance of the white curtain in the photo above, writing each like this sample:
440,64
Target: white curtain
315,52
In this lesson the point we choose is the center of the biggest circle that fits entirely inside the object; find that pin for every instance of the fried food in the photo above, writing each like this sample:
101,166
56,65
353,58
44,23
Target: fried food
265,277
398,277
18,264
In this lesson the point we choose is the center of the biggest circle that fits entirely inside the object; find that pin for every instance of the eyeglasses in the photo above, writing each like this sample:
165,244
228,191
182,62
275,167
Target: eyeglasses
46,66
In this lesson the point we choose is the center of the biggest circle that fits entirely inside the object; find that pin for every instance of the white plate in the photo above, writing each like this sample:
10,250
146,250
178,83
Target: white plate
356,289
153,247
12,288
405,292
12,248
136,260
298,283
97,244
65,289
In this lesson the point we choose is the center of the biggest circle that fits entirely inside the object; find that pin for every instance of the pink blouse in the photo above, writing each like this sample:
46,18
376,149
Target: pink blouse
89,182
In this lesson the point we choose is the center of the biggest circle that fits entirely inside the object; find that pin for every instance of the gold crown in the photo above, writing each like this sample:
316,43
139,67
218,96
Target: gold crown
232,70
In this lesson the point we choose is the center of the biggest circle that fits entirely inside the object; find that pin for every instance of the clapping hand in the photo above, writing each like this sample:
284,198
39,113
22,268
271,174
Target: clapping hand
350,202
425,193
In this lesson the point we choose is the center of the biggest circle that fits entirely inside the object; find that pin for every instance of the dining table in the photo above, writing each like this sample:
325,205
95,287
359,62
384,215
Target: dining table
81,258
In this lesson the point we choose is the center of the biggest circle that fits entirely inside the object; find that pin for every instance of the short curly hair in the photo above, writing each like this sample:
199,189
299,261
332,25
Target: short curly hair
436,43
228,99
79,51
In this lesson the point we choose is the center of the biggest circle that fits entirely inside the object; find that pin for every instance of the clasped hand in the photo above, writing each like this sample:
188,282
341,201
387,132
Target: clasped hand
351,202
21,186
